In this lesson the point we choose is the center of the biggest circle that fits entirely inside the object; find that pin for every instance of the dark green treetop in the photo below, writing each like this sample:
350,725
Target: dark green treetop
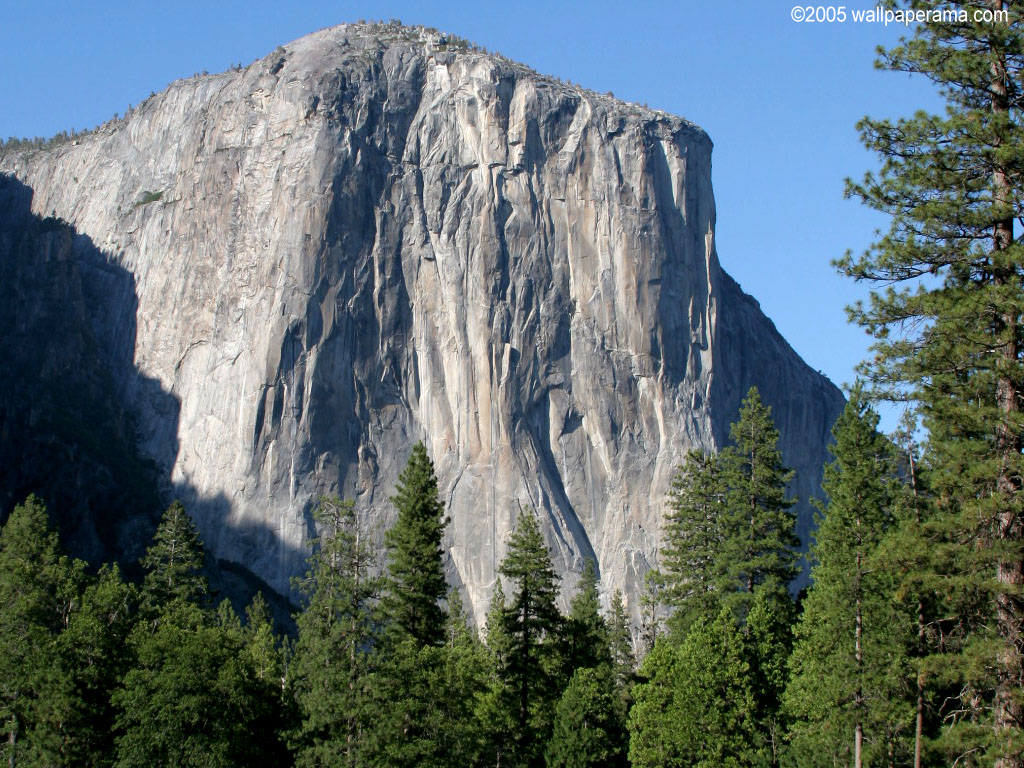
173,562
532,624
694,525
416,584
758,542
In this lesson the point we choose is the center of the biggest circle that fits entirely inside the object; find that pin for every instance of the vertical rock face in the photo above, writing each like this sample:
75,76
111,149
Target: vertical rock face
373,236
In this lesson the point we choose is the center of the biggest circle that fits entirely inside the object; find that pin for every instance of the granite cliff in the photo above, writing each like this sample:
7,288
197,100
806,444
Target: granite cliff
376,235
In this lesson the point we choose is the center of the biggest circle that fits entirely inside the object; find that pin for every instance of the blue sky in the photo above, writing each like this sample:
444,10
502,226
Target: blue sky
779,99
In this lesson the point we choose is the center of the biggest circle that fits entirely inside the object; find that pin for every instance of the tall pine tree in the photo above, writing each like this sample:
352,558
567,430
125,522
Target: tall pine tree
950,336
694,526
532,625
694,704
416,586
758,545
331,671
39,589
850,665
173,562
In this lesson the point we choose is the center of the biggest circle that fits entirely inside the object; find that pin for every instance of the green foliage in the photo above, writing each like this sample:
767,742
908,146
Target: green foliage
695,706
192,696
769,642
730,524
693,531
758,543
466,670
38,590
585,636
850,666
589,723
494,708
262,642
620,643
173,562
949,336
416,584
531,623
94,649
149,197
334,659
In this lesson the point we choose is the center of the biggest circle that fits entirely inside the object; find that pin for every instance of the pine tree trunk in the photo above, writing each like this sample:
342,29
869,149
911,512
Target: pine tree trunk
12,740
919,720
858,738
1009,572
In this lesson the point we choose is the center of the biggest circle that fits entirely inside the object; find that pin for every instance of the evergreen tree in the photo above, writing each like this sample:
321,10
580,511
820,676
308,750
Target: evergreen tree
620,640
693,530
532,624
586,632
39,588
466,670
262,642
652,601
94,650
695,706
191,696
758,544
850,658
173,562
589,727
334,657
495,710
769,642
416,584
950,337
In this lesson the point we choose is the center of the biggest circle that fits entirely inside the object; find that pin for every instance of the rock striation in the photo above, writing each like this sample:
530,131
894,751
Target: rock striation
376,235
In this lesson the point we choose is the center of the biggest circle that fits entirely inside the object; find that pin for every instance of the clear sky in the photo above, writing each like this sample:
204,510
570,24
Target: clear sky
779,99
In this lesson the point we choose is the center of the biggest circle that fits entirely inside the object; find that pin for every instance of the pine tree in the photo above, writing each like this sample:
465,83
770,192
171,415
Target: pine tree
693,531
950,337
850,665
331,671
758,544
652,604
191,696
173,562
532,624
39,589
495,708
769,642
589,727
620,641
94,649
466,670
262,642
695,706
586,639
416,584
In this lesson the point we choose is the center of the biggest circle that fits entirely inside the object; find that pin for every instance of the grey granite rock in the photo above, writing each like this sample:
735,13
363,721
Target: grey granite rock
374,236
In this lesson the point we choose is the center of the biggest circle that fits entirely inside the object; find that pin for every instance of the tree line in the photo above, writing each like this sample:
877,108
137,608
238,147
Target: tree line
384,668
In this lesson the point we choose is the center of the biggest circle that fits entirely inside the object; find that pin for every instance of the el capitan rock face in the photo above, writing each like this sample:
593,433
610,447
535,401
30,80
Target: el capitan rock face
369,238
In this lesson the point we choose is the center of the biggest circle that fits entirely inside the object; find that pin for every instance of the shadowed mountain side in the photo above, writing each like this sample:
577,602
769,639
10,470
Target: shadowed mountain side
67,338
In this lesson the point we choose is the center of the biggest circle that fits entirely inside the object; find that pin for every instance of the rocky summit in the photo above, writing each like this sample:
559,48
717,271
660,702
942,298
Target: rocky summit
287,274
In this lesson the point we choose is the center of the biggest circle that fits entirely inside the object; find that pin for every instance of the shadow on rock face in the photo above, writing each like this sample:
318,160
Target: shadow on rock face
67,377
